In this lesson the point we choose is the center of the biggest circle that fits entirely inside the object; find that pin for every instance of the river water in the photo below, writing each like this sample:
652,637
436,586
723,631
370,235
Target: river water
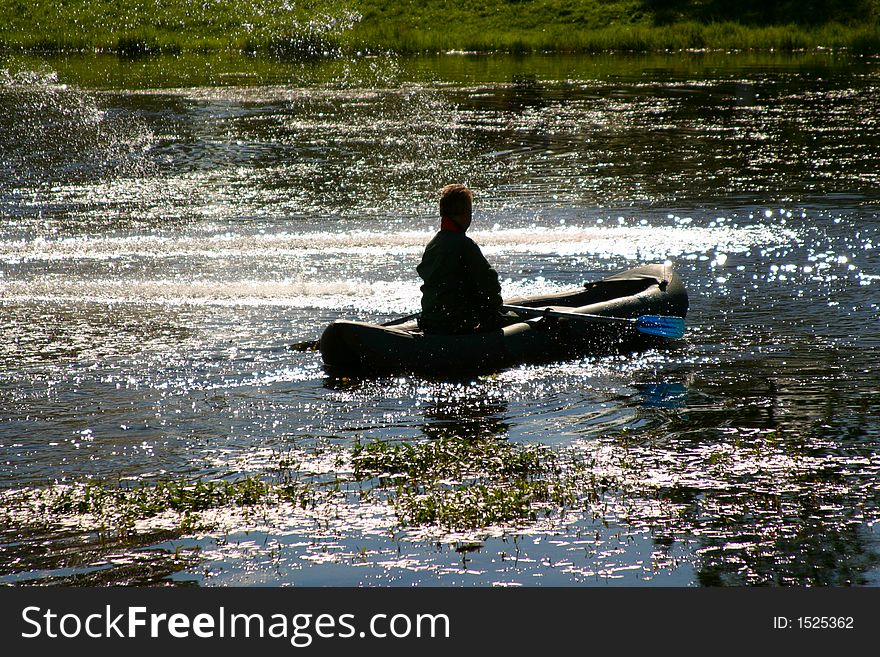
170,226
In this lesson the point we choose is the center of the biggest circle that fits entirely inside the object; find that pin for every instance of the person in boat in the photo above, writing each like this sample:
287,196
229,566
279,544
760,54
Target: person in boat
461,292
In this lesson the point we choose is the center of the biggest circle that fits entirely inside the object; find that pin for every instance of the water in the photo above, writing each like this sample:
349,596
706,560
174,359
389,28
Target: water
170,226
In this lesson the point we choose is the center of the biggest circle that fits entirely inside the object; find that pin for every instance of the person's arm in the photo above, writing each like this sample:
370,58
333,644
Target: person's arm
485,279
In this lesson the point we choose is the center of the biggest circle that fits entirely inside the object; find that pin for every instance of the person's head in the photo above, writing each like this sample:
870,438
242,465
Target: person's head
456,203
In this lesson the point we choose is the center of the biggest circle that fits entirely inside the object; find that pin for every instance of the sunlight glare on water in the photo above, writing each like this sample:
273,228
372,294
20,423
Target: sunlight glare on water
163,243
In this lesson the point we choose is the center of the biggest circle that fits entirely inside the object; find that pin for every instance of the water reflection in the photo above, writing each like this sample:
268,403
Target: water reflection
446,407
767,474
466,415
663,395
57,556
309,152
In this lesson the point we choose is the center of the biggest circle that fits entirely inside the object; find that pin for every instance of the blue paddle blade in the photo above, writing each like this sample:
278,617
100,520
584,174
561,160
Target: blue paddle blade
661,325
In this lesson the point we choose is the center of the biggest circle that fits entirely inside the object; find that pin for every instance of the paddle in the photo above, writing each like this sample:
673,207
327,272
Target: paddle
664,326
312,345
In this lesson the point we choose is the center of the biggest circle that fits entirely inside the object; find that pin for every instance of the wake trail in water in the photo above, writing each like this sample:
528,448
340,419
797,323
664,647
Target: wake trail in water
651,240
358,269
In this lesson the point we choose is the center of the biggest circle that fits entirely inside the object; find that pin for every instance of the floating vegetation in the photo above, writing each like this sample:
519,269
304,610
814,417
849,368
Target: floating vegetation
453,483
480,486
477,505
462,484
118,509
450,457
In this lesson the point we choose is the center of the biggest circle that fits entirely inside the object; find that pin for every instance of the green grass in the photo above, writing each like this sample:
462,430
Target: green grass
117,508
318,28
136,27
440,486
454,458
462,484
451,483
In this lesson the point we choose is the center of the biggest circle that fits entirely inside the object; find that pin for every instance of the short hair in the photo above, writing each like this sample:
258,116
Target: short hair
455,200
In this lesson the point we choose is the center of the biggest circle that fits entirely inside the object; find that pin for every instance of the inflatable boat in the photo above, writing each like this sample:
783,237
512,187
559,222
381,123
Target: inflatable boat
618,313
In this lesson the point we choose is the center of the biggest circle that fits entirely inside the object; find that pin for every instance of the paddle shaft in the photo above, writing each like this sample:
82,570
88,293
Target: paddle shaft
550,312
657,325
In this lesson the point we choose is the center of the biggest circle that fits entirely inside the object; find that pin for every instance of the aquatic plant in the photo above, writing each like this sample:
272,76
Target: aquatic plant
449,483
460,484
120,507
453,457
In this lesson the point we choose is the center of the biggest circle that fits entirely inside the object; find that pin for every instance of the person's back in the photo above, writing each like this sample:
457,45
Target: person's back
461,293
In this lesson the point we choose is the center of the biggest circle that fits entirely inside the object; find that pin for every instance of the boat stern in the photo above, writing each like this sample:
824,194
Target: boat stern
337,345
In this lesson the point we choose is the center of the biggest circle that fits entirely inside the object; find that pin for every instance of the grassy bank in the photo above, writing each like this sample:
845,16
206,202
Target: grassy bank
306,28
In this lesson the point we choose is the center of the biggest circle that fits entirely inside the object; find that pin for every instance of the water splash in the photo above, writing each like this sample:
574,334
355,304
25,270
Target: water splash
64,133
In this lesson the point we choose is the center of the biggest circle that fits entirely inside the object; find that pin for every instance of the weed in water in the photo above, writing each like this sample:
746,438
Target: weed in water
121,507
461,484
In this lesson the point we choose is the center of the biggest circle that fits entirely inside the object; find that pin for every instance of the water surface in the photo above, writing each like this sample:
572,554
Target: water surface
170,226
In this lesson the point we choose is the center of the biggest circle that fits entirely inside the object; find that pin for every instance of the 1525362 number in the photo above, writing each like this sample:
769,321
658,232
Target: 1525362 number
825,622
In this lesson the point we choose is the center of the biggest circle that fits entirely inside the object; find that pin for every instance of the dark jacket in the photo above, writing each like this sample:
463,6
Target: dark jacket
461,290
